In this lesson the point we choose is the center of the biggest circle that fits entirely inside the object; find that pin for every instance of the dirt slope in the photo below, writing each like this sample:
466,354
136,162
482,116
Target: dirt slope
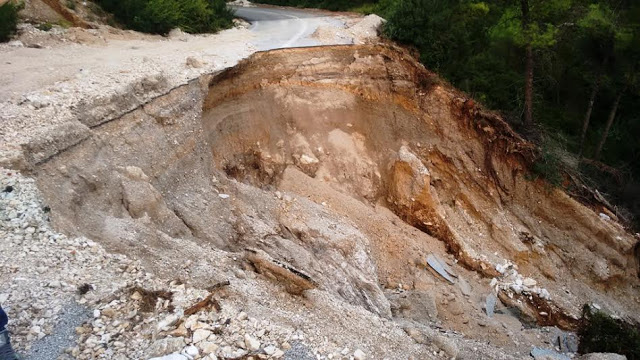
341,169
371,122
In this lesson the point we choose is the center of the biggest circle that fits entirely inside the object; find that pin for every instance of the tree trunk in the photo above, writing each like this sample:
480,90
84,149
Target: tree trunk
612,116
592,99
587,116
528,85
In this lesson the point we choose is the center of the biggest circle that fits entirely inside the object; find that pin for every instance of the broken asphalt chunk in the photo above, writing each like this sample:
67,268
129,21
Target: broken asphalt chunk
540,354
490,304
440,267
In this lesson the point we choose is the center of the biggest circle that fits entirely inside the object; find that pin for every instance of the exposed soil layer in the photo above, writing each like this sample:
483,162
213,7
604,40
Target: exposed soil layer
344,167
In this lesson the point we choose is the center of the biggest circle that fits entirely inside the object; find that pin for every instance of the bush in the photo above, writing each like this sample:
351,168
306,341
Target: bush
551,162
8,20
599,333
45,26
161,16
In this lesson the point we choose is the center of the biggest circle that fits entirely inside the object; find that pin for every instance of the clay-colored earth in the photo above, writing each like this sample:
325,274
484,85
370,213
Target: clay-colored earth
350,164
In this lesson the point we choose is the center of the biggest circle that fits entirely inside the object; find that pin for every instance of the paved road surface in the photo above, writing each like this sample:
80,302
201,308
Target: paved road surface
279,28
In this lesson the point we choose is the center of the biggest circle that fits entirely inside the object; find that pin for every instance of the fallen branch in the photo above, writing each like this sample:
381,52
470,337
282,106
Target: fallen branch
209,301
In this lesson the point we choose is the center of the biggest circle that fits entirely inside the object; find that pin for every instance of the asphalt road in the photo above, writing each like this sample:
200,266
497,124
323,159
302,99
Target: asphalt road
280,28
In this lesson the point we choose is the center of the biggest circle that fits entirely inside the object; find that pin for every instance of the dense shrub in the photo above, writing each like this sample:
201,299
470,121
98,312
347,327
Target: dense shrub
161,16
599,333
8,20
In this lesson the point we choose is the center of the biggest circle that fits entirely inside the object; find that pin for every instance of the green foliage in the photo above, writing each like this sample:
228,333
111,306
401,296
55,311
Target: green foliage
46,26
161,16
541,32
480,47
599,333
598,21
8,20
71,4
549,164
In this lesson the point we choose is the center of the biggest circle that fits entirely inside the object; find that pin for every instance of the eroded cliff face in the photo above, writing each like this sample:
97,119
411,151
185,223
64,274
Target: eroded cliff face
349,164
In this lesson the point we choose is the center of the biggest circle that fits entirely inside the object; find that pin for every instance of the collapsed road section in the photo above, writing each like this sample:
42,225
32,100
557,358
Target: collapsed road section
349,200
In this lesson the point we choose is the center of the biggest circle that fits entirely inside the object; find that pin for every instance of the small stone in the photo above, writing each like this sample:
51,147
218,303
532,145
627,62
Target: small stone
200,335
446,345
191,351
166,345
96,313
194,63
191,322
208,347
16,44
251,343
242,316
171,357
359,355
108,312
239,274
270,350
529,282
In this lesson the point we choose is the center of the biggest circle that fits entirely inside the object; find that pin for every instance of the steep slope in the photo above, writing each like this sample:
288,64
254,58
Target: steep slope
341,169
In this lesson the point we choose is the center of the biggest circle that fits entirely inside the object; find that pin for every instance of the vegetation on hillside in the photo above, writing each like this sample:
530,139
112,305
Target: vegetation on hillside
161,16
8,20
566,73
600,333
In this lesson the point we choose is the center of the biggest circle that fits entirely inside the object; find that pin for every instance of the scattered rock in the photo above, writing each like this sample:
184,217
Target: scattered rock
191,351
295,281
166,322
251,343
544,354
602,356
490,304
166,346
201,335
194,63
171,357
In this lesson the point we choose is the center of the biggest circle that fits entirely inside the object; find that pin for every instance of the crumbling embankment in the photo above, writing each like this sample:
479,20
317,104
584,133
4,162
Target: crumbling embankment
328,159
